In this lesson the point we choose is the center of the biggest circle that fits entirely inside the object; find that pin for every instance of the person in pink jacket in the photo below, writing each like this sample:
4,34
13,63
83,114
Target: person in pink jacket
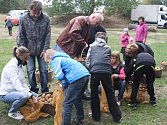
125,41
141,30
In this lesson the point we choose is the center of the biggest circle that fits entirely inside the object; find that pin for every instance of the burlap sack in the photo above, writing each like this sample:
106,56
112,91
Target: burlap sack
142,95
58,98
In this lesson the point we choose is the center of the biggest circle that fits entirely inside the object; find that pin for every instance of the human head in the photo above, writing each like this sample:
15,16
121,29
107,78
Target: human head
101,35
96,19
22,53
35,9
132,49
48,55
126,30
141,20
115,57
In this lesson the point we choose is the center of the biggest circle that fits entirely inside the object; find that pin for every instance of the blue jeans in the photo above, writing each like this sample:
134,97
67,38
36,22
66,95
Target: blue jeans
43,68
58,49
73,95
17,99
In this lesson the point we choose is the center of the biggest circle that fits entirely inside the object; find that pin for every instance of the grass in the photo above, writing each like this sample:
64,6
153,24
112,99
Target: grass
145,114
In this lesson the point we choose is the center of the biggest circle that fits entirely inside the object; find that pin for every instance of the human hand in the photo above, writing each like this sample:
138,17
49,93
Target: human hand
34,99
42,55
115,76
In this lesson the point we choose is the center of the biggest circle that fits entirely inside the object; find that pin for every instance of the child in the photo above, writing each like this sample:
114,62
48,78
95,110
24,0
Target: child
125,41
9,24
98,63
118,75
73,77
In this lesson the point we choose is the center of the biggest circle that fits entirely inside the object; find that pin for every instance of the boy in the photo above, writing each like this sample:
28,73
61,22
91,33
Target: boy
98,63
73,77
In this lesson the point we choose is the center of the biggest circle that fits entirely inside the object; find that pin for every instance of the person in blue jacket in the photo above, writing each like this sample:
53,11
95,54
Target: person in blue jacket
73,77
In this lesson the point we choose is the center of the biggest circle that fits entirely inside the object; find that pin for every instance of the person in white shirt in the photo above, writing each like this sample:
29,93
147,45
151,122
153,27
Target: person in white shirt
13,87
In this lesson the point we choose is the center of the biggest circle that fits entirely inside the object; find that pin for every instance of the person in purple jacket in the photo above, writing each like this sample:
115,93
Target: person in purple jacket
141,31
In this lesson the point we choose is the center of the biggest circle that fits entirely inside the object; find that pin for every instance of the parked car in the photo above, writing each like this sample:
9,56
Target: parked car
14,16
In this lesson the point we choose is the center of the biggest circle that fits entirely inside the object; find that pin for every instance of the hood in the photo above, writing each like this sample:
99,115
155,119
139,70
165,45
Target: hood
100,42
60,54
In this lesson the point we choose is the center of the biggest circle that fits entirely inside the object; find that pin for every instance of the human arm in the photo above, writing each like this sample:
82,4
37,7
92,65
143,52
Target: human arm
76,31
21,39
145,31
124,38
87,61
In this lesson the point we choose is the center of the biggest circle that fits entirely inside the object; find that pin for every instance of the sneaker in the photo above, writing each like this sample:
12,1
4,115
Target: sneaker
153,103
90,114
16,115
118,121
119,103
133,106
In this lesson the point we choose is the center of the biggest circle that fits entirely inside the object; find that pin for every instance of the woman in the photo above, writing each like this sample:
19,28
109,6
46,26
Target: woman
13,87
141,31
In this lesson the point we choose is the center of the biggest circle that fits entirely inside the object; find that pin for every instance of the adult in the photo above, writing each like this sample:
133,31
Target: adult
74,37
13,86
143,64
73,77
141,31
9,25
35,33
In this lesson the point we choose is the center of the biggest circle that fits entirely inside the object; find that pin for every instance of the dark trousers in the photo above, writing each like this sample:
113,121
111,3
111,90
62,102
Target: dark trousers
123,52
95,102
150,77
10,30
120,86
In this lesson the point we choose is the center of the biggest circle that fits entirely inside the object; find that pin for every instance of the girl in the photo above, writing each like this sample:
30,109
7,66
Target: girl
118,75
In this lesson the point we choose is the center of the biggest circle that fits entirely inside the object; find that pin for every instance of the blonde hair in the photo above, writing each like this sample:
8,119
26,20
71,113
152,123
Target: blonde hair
131,49
19,51
116,54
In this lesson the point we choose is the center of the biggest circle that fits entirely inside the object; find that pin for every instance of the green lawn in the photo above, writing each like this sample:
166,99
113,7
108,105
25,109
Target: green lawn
145,114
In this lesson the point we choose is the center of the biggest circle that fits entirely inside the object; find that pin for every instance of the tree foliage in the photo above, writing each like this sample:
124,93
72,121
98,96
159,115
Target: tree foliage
7,5
159,2
120,7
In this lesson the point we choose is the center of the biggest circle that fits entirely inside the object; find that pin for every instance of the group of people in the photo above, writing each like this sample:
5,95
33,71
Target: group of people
82,34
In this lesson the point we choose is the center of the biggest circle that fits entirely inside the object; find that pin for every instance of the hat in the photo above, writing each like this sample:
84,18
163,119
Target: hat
126,29
131,39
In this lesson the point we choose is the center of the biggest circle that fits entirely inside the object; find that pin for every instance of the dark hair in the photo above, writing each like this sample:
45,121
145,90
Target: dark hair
35,5
18,51
141,18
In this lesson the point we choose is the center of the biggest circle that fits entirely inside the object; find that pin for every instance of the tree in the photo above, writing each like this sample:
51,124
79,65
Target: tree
59,7
7,5
120,7
159,2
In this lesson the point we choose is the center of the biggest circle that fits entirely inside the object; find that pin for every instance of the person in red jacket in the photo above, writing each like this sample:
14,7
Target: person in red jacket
118,75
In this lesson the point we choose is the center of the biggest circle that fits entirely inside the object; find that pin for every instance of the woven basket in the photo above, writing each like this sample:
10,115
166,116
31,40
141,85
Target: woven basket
48,107
158,73
38,79
164,65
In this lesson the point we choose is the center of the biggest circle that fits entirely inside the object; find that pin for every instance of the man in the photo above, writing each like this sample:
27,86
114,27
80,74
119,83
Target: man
74,38
9,25
143,64
35,33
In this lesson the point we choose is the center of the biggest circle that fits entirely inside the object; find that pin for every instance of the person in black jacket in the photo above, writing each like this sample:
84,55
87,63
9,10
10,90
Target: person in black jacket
9,25
143,64
98,63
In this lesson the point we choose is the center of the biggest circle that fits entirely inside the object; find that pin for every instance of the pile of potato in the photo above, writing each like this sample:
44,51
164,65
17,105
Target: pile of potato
47,98
164,63
157,68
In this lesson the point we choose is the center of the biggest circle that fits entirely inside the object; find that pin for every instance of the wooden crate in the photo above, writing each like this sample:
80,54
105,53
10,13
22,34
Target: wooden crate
38,79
